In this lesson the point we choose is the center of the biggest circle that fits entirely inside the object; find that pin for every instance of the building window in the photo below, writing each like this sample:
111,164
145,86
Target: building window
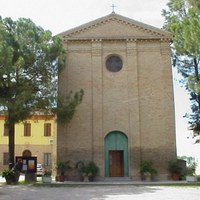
5,158
47,159
27,129
6,130
114,63
47,129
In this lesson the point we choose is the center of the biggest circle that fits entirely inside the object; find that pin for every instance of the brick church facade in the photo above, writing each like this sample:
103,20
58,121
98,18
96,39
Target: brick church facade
127,112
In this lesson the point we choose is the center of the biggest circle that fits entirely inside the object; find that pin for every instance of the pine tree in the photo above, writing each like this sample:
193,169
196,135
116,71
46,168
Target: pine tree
30,62
182,18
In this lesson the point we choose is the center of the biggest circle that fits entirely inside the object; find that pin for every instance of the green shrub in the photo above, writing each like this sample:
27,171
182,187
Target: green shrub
174,167
90,169
198,178
146,166
8,174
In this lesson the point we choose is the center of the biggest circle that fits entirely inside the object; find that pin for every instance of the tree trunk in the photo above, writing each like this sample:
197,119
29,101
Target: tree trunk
196,74
11,127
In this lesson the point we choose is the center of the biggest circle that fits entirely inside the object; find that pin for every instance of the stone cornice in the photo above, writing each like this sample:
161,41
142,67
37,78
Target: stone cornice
137,39
149,31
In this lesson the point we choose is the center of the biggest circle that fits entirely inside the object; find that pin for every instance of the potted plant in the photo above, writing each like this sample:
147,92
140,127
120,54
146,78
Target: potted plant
88,170
46,178
190,173
10,176
62,167
175,170
146,169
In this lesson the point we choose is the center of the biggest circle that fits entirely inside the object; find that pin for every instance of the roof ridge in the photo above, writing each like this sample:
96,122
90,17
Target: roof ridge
111,16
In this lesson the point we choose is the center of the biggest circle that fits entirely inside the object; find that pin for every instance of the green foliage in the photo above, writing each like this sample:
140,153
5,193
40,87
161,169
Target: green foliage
184,22
189,160
190,165
146,166
190,170
67,106
174,167
198,178
31,60
90,169
47,173
8,174
195,4
182,18
63,166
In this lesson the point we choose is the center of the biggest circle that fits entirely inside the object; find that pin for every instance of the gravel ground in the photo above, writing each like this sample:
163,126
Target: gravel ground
100,192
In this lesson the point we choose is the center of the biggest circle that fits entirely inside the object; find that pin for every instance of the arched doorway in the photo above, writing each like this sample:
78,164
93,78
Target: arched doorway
26,153
116,154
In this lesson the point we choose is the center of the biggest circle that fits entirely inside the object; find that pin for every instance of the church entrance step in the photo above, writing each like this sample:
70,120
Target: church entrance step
114,179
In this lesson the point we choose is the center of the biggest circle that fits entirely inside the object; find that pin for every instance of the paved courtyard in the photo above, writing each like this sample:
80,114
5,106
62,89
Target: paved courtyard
99,192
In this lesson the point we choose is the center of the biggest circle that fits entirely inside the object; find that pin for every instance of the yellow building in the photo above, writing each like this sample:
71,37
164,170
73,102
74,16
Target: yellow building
34,137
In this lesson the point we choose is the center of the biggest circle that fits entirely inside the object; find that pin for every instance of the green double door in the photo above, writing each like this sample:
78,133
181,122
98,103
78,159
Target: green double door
116,154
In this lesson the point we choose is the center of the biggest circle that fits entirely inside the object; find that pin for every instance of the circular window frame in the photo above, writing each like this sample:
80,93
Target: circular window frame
114,63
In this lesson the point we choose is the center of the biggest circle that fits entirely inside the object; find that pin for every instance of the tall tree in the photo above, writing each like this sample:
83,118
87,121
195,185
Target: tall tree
182,18
30,62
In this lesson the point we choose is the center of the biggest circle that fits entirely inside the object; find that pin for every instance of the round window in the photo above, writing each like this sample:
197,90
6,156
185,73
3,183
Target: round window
114,63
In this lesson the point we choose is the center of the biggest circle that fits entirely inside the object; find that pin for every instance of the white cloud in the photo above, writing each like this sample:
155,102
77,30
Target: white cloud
61,15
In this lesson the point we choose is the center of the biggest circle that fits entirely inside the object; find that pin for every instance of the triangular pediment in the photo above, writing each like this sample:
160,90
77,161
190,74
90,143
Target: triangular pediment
115,26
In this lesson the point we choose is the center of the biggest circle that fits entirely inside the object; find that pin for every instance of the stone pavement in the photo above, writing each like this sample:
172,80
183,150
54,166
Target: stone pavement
99,192
122,190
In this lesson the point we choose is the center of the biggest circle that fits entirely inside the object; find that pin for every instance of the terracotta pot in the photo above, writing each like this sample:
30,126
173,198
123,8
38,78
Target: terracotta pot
61,178
175,177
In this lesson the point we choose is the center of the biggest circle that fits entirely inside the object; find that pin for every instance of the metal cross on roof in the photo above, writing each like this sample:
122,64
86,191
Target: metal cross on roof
113,8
